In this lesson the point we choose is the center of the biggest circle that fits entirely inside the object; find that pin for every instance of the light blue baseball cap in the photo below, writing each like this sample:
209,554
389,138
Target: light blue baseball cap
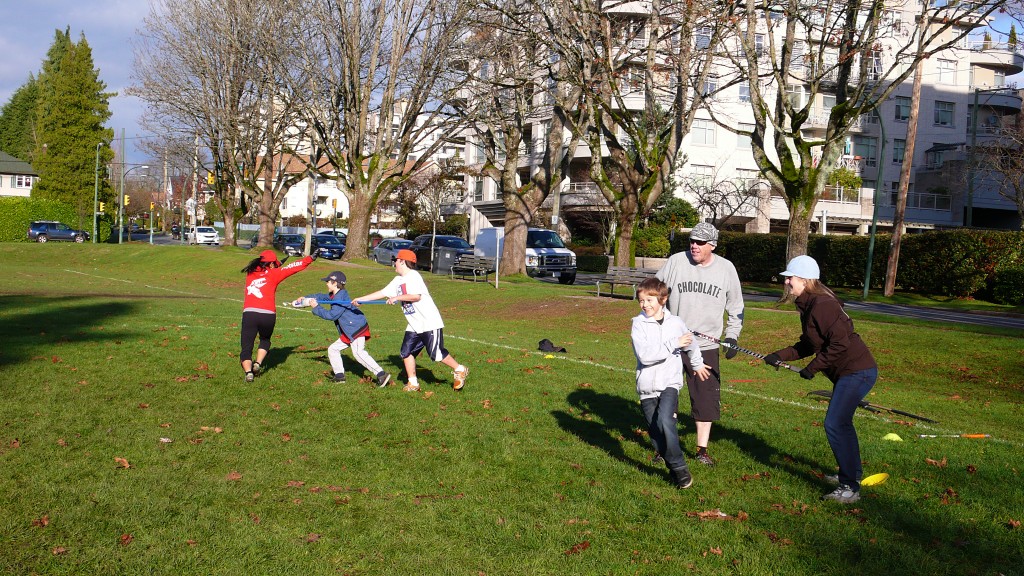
803,266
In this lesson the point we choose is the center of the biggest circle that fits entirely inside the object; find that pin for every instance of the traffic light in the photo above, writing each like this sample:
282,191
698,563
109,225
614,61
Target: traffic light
152,205
103,206
209,178
127,200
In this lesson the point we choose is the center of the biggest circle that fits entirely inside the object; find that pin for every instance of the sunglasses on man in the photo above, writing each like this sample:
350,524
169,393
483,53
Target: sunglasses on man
698,242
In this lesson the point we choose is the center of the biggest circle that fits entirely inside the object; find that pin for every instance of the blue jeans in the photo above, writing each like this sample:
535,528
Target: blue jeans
847,393
662,425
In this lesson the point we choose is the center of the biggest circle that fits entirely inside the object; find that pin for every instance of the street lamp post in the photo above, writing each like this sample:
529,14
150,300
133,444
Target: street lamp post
120,204
96,191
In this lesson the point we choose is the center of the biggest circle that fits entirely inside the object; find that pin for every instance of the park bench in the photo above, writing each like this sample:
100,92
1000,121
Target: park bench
478,266
624,276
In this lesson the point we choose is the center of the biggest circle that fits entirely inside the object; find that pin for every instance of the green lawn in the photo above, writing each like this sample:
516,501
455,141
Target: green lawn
130,444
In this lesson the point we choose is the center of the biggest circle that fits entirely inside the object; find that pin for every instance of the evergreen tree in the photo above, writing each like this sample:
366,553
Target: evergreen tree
17,121
72,107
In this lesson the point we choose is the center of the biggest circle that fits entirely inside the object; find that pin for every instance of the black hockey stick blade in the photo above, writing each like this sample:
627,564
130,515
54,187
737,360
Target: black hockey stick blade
875,407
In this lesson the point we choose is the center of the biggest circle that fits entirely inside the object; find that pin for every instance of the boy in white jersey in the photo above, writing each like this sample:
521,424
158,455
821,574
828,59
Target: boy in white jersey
425,329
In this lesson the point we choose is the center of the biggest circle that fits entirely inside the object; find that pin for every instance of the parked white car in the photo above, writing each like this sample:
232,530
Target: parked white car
203,235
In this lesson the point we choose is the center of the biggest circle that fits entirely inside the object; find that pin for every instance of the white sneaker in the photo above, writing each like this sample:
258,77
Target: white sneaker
411,388
843,494
460,378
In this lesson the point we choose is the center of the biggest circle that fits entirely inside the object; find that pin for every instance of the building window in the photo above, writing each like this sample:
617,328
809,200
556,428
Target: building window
944,112
759,44
703,175
867,149
743,136
703,36
796,95
999,78
902,109
899,148
710,86
21,181
744,91
874,65
947,72
703,132
478,190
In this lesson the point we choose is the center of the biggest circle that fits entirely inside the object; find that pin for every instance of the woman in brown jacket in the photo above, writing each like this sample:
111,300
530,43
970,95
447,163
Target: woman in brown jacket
842,356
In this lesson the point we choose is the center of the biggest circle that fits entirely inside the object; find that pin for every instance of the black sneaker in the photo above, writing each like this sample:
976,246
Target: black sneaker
681,477
704,458
249,376
256,368
339,376
383,378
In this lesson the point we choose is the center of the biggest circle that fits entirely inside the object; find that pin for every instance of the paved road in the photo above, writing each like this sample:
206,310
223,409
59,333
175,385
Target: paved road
918,312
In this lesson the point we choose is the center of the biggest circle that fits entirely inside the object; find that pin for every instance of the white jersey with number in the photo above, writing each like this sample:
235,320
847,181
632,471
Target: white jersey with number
422,316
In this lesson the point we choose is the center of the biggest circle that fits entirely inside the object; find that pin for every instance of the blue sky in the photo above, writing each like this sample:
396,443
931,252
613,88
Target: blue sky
27,30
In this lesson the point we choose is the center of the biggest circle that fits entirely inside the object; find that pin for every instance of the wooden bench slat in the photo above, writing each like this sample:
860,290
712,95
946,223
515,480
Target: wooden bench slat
624,276
473,264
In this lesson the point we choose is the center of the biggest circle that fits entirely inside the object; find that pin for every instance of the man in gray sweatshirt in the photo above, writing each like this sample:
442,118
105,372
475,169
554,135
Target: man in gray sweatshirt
704,289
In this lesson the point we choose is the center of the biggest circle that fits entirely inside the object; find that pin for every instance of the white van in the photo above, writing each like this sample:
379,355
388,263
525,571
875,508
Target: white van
546,254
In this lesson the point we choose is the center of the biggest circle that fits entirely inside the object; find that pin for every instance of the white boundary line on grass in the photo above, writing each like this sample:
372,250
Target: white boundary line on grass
922,426
859,414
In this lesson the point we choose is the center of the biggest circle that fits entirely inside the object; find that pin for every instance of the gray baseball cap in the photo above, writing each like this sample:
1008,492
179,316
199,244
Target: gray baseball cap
705,232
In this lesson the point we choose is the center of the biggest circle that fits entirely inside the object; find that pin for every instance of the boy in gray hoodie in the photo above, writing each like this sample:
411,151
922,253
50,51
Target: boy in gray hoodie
658,338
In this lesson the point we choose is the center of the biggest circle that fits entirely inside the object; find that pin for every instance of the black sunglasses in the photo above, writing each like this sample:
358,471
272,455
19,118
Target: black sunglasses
698,242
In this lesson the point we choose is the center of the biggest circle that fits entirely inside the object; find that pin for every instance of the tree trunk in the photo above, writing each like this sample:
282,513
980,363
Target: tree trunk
624,242
796,237
358,226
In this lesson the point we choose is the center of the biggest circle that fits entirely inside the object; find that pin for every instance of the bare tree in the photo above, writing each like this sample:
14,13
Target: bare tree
213,70
721,198
371,86
638,84
520,112
860,51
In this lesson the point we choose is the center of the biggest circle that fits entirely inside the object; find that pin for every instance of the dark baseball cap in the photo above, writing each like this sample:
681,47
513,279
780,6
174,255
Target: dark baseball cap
336,276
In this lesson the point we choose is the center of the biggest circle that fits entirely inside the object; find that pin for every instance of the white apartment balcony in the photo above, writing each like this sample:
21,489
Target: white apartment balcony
997,55
1005,102
817,121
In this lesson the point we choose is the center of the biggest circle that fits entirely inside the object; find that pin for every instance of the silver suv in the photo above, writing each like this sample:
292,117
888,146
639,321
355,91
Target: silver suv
46,230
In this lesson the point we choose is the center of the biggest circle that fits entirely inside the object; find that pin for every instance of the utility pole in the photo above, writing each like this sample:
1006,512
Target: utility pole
901,202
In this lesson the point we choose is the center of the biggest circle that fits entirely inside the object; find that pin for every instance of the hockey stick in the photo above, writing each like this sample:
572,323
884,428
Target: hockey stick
875,407
293,304
744,350
954,435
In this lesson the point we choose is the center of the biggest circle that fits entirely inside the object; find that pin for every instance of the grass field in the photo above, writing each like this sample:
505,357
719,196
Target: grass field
130,444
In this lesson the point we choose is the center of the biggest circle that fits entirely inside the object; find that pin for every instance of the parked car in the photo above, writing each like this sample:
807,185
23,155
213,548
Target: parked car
546,254
46,230
453,246
329,246
203,235
292,244
336,233
384,253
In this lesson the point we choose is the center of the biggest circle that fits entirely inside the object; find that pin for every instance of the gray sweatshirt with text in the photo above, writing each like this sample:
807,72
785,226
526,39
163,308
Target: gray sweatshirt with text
703,295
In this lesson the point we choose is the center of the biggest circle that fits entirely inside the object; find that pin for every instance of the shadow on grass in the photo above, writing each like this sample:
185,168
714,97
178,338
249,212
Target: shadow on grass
32,324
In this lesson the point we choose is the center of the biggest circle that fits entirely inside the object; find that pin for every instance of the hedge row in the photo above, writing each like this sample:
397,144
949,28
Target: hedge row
17,212
957,263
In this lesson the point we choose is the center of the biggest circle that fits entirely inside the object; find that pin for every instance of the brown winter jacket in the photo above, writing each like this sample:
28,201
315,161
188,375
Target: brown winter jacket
828,335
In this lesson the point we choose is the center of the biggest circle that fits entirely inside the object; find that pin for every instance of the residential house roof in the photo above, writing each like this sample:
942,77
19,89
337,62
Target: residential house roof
11,165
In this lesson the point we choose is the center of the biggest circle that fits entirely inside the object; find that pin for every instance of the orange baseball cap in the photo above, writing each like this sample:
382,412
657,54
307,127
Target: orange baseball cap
407,255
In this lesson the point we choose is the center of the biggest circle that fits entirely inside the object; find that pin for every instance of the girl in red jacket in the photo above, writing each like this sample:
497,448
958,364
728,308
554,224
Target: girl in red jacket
259,311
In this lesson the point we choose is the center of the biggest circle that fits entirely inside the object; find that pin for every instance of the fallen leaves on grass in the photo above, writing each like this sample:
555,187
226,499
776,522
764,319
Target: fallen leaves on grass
122,463
56,360
62,442
233,475
950,496
758,476
937,463
59,551
126,539
713,550
1012,524
487,404
577,548
776,539
41,522
714,514
796,509
312,537
295,484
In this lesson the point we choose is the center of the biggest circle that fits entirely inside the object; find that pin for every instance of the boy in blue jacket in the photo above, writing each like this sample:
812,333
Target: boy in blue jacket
658,339
353,329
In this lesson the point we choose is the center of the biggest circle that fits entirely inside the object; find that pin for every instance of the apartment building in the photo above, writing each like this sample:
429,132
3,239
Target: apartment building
965,99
